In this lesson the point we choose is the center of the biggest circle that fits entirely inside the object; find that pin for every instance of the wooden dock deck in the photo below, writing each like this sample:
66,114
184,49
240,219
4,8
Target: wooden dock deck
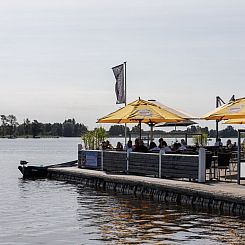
225,197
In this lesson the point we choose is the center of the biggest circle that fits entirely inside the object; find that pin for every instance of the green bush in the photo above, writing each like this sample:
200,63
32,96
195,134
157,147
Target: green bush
92,139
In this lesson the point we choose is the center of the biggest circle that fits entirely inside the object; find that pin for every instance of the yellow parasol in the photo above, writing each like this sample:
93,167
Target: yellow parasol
235,121
232,110
140,111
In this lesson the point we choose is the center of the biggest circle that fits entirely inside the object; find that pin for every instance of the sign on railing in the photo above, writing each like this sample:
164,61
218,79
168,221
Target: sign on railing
89,159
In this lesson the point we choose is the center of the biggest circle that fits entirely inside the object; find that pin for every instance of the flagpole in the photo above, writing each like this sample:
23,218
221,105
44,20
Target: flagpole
125,92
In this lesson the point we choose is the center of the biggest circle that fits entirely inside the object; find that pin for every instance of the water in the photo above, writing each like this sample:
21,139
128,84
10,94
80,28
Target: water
55,212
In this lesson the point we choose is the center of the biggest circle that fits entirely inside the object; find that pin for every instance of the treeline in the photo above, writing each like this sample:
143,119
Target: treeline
70,128
228,132
11,128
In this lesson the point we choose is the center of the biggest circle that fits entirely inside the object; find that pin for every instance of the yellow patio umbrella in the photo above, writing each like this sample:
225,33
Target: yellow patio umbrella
140,111
235,121
232,110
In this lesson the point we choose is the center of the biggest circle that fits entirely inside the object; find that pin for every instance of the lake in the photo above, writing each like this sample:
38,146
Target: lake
56,212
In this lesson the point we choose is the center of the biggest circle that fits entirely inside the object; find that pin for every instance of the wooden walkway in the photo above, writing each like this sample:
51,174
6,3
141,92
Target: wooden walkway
217,188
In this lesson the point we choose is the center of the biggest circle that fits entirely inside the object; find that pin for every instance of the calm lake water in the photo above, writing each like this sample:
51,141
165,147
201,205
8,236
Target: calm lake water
55,212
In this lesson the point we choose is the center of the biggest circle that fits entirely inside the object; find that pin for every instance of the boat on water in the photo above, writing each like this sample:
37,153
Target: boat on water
12,137
34,172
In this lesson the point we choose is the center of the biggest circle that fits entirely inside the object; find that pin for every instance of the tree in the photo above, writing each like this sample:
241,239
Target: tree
12,123
135,129
4,125
117,130
47,129
27,127
68,128
36,128
72,129
229,131
83,128
56,129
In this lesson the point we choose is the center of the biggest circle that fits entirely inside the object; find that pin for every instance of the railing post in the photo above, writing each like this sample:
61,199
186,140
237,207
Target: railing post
128,152
79,156
160,163
102,160
202,166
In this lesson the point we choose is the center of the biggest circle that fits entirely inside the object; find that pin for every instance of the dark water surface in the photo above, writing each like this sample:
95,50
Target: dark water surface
55,212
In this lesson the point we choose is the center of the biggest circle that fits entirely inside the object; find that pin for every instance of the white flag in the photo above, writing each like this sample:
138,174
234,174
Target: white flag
119,86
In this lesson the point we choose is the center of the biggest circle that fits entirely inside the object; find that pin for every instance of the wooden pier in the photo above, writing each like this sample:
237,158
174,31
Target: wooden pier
220,197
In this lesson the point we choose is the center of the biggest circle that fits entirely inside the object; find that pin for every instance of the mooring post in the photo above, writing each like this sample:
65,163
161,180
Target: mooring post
202,166
79,156
102,160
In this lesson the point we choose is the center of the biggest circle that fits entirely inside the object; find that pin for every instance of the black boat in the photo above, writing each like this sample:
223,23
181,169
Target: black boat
33,172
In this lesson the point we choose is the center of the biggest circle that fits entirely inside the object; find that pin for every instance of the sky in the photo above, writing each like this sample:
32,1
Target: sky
56,56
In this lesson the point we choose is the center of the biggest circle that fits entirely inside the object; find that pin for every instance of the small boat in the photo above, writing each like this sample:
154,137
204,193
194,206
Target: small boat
34,172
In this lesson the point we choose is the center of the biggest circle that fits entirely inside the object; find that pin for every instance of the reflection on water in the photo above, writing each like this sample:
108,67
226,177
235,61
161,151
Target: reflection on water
127,220
61,213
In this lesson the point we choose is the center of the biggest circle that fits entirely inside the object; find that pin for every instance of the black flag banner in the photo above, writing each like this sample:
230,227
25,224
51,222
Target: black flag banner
119,86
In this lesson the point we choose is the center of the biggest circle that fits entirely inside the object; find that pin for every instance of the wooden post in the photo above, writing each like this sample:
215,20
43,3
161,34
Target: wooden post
202,166
128,152
79,156
160,163
102,160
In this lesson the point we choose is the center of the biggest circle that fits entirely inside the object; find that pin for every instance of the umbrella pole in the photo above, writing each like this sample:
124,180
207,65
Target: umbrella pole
140,128
218,103
125,133
151,132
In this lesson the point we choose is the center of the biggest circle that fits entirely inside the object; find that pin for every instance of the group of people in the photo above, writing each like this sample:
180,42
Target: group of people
228,146
106,145
139,146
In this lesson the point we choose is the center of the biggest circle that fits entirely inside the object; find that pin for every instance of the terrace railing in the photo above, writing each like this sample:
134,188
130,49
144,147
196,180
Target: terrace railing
190,167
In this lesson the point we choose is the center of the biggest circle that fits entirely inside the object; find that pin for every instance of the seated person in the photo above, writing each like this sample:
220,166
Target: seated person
160,143
129,146
182,146
229,144
166,148
218,143
234,146
176,146
108,145
139,146
119,146
103,145
153,147
136,143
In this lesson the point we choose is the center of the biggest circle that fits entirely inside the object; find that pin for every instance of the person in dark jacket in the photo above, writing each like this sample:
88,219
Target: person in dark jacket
139,146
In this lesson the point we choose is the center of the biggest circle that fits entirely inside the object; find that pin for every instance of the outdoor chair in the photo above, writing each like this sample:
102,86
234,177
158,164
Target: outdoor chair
224,162
234,159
